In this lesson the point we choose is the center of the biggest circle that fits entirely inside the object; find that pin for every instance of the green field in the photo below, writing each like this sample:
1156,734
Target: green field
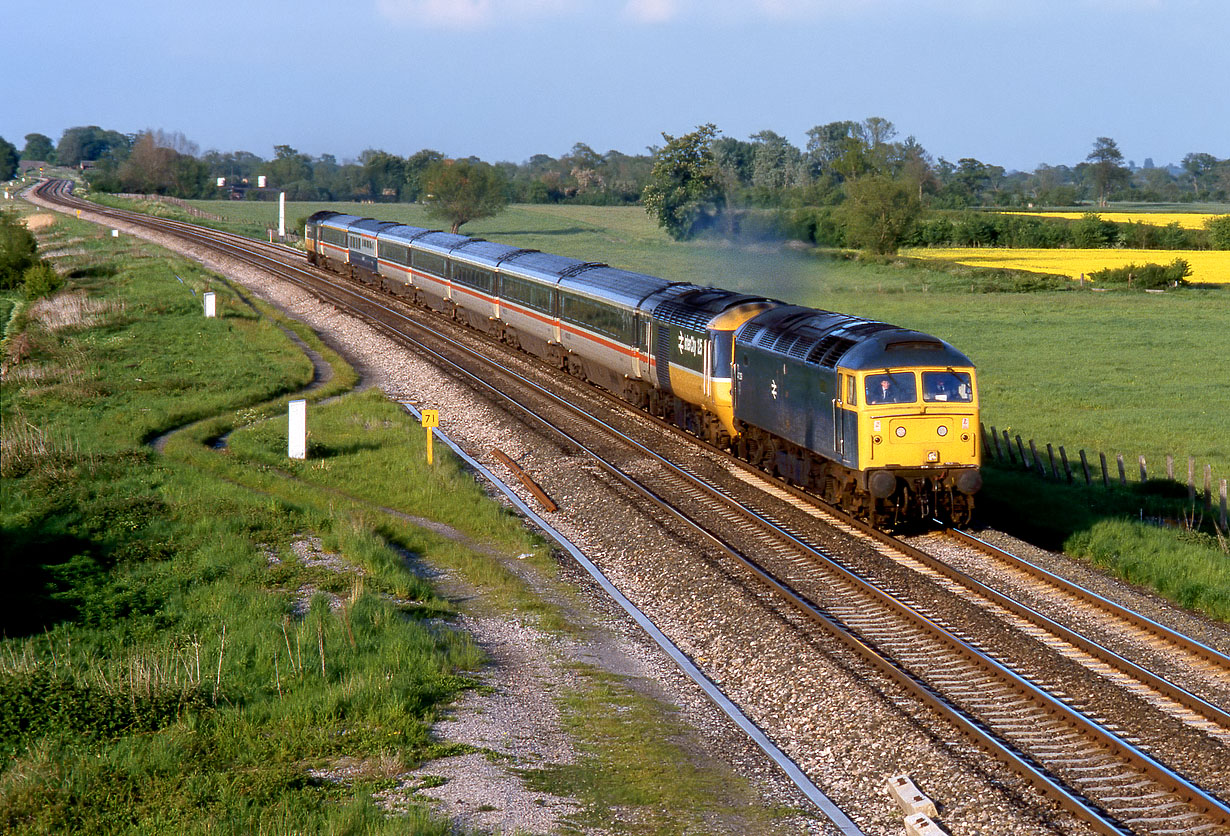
1112,372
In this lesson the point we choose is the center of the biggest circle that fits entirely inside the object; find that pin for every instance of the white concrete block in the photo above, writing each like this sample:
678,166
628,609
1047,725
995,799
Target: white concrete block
908,797
922,826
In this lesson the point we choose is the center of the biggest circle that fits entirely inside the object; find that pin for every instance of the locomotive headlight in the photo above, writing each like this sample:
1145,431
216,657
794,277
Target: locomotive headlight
942,431
933,456
876,439
965,436
901,432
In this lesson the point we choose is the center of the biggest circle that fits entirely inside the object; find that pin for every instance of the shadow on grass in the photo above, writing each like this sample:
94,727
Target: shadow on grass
1149,533
43,573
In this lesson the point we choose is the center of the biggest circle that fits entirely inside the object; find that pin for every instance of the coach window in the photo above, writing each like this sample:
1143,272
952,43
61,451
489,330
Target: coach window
429,263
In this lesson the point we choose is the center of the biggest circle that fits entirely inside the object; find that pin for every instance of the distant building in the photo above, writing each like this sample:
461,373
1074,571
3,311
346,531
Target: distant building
25,166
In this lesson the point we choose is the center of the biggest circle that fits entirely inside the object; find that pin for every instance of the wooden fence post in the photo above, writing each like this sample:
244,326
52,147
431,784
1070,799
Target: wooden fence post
1170,468
1085,467
1020,448
1105,474
986,446
1223,504
1067,470
1050,454
1033,455
1144,476
1191,479
1208,486
1122,472
1008,447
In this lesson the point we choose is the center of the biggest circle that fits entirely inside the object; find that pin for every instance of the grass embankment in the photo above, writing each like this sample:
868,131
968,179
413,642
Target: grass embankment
179,652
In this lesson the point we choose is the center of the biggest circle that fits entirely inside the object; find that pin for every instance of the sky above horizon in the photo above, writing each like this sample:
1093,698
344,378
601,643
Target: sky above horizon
1015,83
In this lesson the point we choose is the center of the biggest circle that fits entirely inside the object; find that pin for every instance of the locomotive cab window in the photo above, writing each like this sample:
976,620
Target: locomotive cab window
891,387
953,387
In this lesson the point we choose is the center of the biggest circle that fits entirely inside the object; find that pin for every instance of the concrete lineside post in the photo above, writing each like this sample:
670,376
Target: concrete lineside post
282,215
296,437
211,308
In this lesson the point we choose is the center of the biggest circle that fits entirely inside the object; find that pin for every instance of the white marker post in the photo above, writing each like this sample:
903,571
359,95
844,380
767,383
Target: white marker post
115,233
211,309
282,215
296,439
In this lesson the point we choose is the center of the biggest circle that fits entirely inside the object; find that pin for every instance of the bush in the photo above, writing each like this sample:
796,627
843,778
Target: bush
1144,277
18,249
1091,231
1219,232
41,280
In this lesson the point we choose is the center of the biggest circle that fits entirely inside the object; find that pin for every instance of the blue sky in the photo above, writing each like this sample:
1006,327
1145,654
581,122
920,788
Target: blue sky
1010,82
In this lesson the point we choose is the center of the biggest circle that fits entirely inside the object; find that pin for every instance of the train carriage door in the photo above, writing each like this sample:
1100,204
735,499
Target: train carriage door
707,365
643,344
839,418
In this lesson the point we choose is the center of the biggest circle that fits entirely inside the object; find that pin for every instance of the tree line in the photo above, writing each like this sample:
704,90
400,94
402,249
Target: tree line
852,184
765,170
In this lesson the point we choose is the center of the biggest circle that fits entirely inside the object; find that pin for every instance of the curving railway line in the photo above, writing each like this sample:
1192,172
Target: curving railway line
1088,720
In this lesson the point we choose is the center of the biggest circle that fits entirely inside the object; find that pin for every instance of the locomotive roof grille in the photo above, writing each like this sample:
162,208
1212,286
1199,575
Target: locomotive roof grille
829,350
675,314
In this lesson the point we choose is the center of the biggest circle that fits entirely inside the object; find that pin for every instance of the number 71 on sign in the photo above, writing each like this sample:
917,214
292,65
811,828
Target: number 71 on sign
430,420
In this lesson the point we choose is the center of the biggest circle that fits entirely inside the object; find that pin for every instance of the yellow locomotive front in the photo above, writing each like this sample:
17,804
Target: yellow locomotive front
918,438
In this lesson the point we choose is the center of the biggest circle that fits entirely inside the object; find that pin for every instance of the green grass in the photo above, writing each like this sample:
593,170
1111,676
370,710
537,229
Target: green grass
630,776
155,675
169,661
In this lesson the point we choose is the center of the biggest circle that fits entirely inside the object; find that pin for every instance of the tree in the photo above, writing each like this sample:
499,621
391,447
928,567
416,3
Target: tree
464,191
416,168
91,143
1199,167
39,147
288,166
776,164
879,213
18,250
684,191
1106,167
384,174
8,159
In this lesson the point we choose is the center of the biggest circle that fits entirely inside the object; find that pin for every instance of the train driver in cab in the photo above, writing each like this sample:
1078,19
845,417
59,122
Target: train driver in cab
946,386
885,388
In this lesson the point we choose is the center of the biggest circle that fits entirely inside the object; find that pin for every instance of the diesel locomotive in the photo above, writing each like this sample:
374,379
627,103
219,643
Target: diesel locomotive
879,420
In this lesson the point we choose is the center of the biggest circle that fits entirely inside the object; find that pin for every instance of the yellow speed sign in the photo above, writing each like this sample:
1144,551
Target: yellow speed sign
431,418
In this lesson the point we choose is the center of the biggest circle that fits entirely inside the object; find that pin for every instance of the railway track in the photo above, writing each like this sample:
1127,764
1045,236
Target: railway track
1090,766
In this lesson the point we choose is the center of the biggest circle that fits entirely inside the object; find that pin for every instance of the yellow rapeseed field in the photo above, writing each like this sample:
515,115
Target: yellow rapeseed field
1186,220
1207,265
